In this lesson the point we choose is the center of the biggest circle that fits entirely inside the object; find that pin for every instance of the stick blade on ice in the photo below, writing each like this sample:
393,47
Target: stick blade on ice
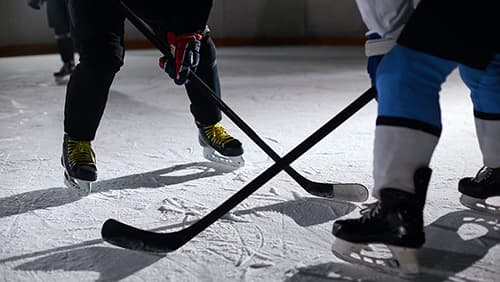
350,192
129,237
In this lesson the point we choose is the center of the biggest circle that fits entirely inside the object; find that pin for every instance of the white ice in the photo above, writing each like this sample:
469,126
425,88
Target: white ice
152,175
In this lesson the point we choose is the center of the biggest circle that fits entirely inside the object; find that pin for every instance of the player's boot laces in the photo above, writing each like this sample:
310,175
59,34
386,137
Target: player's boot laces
370,210
216,136
483,174
80,153
78,159
219,146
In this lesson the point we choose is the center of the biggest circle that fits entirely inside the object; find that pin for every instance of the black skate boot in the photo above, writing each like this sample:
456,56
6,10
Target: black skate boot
395,221
476,190
78,160
219,146
62,76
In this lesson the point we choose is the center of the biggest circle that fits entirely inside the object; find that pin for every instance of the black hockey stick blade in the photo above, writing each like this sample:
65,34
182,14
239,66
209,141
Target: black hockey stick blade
354,192
129,237
351,192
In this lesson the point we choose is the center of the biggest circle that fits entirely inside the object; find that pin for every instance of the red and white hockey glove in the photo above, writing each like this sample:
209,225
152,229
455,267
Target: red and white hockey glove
185,50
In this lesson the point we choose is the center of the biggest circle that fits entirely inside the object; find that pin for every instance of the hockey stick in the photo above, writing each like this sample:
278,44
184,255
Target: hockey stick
129,237
341,191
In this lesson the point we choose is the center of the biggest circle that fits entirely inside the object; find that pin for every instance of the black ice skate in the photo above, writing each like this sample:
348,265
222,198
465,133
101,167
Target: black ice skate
389,233
78,160
62,76
219,146
477,190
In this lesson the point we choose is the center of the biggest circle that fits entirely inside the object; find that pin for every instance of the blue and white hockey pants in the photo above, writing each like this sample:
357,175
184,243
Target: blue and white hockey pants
409,116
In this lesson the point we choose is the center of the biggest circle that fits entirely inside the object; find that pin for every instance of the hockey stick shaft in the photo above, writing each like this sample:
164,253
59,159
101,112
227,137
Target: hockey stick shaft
130,237
284,162
322,189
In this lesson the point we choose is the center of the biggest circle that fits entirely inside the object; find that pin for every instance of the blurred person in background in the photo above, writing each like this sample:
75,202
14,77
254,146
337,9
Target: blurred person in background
58,18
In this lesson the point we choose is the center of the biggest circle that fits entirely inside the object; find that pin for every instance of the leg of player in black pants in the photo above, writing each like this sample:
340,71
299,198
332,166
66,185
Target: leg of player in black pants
217,144
99,29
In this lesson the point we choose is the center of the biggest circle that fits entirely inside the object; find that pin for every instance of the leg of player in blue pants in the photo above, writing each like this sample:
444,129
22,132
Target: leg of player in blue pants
485,95
407,131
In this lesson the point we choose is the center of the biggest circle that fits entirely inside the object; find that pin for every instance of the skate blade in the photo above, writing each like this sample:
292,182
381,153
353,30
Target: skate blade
386,258
479,205
83,187
61,80
214,156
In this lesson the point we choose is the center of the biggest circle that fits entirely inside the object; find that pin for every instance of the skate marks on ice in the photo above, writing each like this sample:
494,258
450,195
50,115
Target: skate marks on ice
459,241
10,108
325,272
173,175
113,263
257,247
36,200
102,263
454,250
245,245
242,238
306,211
58,196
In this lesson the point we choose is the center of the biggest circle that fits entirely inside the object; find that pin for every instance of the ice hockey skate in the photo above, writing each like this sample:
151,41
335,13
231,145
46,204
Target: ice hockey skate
479,190
388,234
62,76
219,146
78,160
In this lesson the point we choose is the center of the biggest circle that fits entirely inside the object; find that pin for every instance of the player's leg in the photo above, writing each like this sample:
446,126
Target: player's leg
485,94
407,131
217,143
99,31
57,14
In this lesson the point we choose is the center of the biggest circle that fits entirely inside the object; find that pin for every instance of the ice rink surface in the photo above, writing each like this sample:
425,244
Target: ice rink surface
152,175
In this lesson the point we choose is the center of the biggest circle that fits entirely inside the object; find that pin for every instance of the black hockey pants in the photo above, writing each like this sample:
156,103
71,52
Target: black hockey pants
99,29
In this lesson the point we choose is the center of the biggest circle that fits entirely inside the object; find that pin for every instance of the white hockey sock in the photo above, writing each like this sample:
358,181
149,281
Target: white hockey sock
398,153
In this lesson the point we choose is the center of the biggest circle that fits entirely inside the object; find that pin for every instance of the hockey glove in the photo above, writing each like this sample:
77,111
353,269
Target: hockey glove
35,4
185,50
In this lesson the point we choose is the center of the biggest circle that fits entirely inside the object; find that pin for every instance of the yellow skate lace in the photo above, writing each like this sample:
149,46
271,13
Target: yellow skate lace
217,134
80,152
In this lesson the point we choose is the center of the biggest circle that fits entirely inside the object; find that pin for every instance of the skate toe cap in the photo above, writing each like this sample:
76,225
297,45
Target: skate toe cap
336,228
233,148
87,173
